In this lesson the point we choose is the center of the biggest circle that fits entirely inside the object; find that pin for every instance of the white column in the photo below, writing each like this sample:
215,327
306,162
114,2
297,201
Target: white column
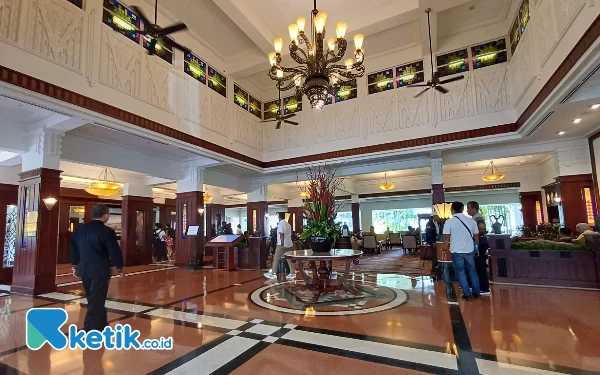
436,171
137,190
295,202
45,149
574,160
193,180
355,198
258,194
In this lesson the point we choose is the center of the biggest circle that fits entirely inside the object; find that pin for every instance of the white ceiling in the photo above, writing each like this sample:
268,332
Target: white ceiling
21,112
471,15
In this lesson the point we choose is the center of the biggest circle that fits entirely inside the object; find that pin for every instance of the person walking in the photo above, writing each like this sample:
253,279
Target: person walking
460,237
160,247
481,260
169,241
284,244
430,239
473,211
93,246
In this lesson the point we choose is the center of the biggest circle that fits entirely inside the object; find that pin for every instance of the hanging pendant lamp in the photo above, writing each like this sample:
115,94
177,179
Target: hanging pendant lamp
207,197
103,187
494,174
386,185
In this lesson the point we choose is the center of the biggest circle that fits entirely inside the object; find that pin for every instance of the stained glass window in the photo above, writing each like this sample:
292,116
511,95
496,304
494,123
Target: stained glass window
345,90
240,96
77,3
217,81
409,74
380,81
452,63
255,106
195,67
292,104
271,109
490,53
121,19
163,48
519,26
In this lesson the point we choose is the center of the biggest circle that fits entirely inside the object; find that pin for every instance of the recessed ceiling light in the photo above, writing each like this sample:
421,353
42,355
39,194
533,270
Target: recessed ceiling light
529,156
577,121
561,132
595,106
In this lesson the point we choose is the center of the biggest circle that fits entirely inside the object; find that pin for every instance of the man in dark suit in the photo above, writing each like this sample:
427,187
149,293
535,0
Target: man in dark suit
93,247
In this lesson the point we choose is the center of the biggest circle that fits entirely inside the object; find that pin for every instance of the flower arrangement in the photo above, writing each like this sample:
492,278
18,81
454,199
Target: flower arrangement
319,208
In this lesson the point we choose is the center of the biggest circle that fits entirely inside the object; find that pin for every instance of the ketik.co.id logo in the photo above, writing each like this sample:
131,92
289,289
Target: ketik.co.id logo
43,326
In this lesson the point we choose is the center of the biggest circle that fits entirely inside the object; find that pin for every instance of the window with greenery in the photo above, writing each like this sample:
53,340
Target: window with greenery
490,53
519,26
195,67
271,109
292,104
397,220
121,19
255,106
77,3
346,90
240,96
452,63
163,48
217,81
505,213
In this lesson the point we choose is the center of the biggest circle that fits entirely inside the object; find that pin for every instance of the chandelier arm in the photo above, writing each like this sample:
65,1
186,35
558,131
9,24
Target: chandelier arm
342,71
294,49
286,87
342,46
306,41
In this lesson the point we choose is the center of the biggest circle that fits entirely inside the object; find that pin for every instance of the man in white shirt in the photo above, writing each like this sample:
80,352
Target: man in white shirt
460,235
238,230
284,244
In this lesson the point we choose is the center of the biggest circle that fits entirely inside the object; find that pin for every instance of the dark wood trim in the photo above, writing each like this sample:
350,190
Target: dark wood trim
235,206
395,193
506,185
574,178
56,92
586,41
594,174
343,197
272,203
531,193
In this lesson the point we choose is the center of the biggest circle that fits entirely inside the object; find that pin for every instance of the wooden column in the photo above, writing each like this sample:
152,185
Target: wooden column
215,215
529,202
572,198
355,217
9,196
437,193
189,251
296,218
137,223
37,234
256,217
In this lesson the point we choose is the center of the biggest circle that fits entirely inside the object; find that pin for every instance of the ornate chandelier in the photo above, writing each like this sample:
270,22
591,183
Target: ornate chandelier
386,185
103,187
318,73
495,174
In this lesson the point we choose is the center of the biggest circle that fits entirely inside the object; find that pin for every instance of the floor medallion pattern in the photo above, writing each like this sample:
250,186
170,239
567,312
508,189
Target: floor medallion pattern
294,297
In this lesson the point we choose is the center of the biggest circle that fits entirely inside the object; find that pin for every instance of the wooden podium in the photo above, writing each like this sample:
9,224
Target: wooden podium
225,254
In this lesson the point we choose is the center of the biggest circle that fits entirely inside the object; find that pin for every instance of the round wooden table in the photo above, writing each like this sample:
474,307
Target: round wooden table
321,281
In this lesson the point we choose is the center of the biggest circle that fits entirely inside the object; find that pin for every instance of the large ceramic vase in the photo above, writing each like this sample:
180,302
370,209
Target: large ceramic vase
320,244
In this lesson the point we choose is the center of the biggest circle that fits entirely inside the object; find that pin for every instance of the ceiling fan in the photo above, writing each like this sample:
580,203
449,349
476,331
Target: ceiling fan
280,117
435,82
156,32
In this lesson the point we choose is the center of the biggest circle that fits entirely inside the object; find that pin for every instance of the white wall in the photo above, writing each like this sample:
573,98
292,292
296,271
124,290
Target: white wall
10,175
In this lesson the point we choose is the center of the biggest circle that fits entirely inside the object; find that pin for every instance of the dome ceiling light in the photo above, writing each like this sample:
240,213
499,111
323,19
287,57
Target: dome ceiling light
386,185
494,174
103,187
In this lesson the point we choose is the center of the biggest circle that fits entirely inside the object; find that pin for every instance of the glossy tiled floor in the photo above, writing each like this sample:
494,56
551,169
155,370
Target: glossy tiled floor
217,328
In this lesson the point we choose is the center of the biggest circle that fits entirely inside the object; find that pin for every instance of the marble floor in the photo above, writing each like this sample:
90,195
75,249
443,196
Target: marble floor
240,323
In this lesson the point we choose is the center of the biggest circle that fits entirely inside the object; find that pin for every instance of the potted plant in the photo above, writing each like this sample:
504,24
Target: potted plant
320,210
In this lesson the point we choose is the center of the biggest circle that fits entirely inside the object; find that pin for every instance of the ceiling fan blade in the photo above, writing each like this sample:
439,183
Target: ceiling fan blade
180,47
172,29
419,85
141,14
441,89
291,122
152,49
422,92
278,126
453,79
288,116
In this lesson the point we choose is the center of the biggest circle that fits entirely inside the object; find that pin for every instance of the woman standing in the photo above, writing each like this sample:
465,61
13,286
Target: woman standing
160,247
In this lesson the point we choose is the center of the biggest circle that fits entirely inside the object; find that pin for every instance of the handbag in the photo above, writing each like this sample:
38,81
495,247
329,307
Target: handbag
475,247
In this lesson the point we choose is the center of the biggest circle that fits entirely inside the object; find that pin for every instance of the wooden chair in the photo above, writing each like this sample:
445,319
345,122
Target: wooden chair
409,242
370,243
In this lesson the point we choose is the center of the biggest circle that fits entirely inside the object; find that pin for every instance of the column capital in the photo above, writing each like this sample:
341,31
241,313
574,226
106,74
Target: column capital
355,198
436,171
295,202
258,193
193,180
137,190
45,149
573,160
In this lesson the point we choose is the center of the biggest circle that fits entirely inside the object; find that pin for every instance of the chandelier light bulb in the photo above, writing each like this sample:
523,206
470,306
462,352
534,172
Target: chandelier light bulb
301,21
348,63
331,43
272,60
358,40
319,25
293,29
340,29
323,14
278,44
279,73
298,81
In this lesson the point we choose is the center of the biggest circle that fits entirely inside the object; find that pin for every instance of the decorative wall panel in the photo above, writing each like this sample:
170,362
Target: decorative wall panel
490,90
160,88
218,112
192,101
120,63
381,112
9,19
247,130
566,11
542,26
272,137
55,30
414,111
294,136
458,103
321,123
521,70
347,120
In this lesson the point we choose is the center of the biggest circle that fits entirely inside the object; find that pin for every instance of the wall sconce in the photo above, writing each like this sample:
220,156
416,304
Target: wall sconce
49,202
201,211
